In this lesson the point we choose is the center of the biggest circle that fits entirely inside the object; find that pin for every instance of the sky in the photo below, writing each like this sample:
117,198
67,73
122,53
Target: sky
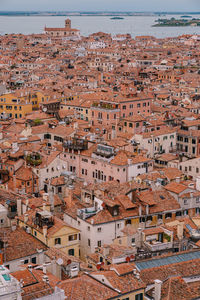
100,5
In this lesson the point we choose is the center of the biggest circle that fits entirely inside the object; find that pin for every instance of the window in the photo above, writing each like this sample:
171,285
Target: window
35,233
124,107
168,215
139,296
88,228
130,125
190,168
185,202
99,243
57,241
71,252
138,105
118,225
193,141
197,170
33,260
99,229
73,237
128,222
88,242
26,261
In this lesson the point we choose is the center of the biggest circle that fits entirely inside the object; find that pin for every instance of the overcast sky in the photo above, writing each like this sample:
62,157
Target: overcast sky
103,5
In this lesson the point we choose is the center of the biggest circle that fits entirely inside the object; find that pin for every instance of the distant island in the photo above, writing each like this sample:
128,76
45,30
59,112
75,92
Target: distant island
117,18
186,17
176,22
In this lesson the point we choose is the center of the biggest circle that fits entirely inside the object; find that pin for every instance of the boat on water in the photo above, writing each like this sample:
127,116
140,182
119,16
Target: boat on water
116,18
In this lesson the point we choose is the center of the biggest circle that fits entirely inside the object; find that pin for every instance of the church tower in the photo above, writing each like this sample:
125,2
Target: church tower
68,23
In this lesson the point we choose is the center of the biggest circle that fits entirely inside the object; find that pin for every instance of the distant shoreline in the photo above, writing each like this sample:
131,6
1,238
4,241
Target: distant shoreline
87,14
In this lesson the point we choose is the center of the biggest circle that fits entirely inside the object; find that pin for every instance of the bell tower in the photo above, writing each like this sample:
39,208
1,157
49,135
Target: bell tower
68,23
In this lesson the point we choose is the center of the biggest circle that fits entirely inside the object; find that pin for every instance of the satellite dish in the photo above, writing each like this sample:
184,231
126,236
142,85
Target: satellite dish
59,261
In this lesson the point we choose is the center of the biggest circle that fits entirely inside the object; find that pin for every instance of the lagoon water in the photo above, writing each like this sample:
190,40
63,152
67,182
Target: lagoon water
135,25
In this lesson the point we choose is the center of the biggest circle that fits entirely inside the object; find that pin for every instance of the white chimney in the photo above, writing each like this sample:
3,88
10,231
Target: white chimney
25,218
198,183
158,286
140,210
129,161
45,196
180,230
178,179
138,240
19,207
147,209
44,269
44,231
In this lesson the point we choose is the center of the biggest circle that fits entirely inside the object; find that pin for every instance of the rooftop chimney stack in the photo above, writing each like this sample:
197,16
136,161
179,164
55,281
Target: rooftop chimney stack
19,207
180,230
158,286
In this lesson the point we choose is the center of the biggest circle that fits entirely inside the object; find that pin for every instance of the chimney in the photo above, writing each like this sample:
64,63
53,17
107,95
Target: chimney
44,231
45,196
178,179
106,251
25,218
69,192
140,210
14,183
180,230
138,241
147,209
27,201
198,183
44,206
134,196
51,200
158,286
19,207
129,161
44,269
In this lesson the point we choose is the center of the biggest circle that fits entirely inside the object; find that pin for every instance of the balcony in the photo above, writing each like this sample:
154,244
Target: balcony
76,144
104,151
158,246
86,212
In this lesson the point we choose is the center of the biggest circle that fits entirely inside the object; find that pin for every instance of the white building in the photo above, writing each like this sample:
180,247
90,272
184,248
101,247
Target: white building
10,288
159,141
